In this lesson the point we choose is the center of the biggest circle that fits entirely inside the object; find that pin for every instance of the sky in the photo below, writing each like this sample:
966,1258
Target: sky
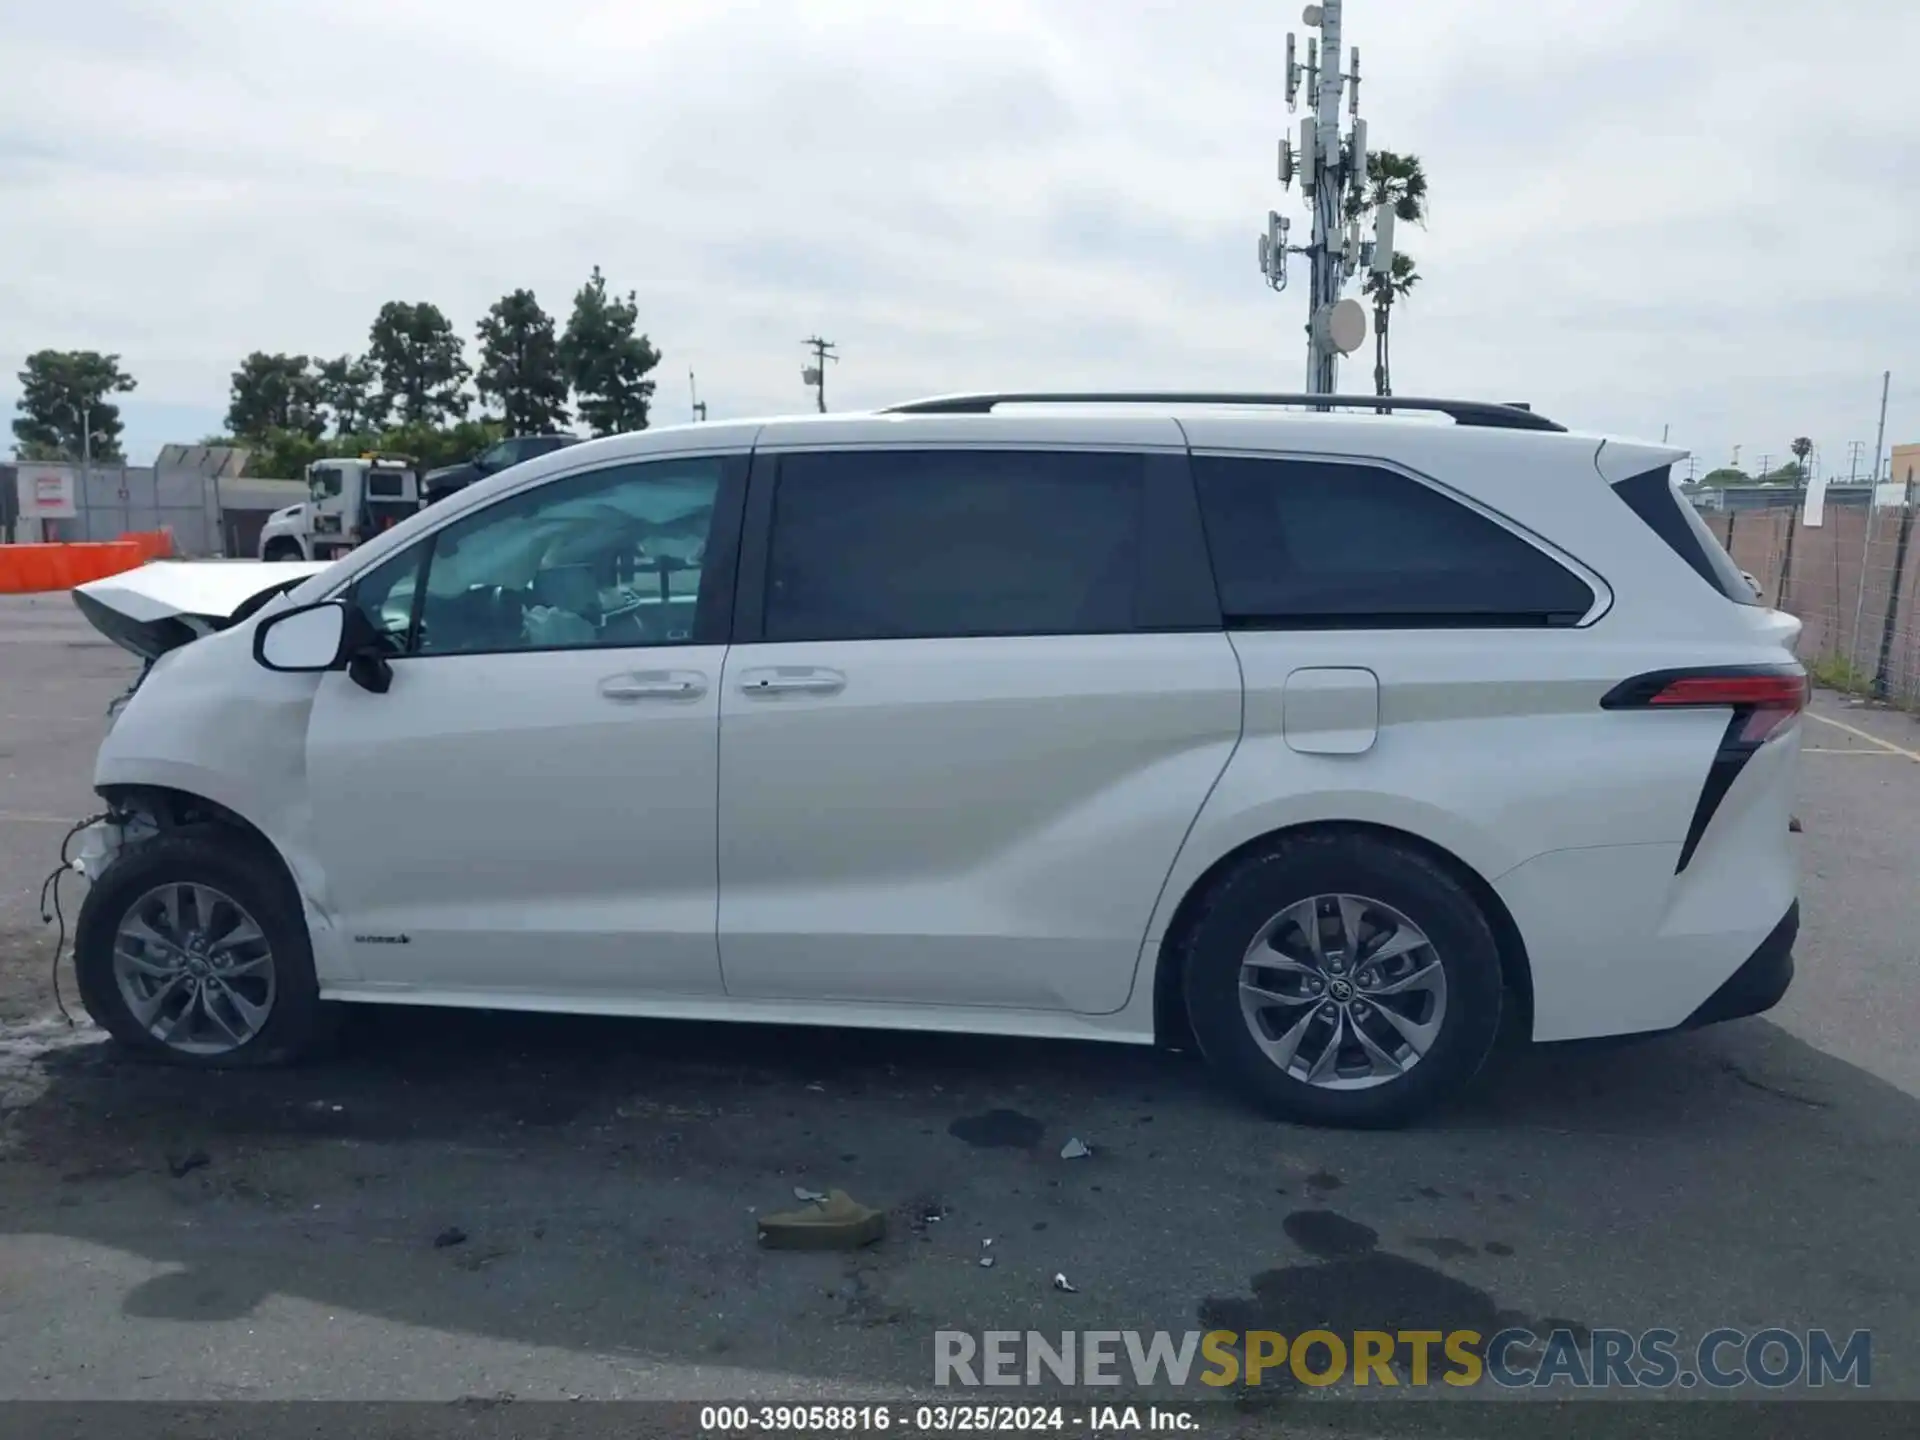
1644,218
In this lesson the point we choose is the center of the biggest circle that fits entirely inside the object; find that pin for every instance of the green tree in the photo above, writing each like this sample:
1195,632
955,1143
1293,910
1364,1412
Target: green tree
63,397
520,368
1791,473
1726,475
1802,448
418,361
1398,183
344,385
606,360
1387,291
432,446
275,392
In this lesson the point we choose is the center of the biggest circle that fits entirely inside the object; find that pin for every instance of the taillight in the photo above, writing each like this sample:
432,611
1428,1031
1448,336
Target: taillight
1775,691
1764,702
1764,699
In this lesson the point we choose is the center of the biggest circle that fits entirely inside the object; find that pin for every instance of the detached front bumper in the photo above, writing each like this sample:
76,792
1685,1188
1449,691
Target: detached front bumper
1759,983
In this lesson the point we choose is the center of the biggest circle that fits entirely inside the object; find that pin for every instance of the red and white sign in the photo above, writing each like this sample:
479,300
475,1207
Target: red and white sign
46,492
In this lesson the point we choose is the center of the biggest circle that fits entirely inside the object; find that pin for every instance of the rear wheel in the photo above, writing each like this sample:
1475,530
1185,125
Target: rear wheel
282,550
192,948
1343,979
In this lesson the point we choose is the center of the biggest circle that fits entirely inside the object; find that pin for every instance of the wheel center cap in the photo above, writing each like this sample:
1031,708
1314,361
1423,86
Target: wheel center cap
1340,990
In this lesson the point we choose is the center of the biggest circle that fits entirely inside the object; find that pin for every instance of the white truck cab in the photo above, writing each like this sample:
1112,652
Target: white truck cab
348,501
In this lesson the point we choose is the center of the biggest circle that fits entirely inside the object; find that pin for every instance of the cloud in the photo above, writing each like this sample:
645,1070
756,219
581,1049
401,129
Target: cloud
1642,215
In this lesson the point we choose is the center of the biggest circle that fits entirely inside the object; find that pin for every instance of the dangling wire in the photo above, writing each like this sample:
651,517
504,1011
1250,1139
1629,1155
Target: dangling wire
51,913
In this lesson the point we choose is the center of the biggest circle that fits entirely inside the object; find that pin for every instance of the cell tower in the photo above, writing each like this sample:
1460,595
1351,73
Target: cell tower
1332,171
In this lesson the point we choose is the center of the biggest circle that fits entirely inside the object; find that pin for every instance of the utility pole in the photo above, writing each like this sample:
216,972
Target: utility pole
1854,447
1880,435
816,373
1333,177
1866,528
699,405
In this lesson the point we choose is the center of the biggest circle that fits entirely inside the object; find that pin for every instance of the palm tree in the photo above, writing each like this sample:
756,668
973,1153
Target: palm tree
1802,447
1385,289
1397,182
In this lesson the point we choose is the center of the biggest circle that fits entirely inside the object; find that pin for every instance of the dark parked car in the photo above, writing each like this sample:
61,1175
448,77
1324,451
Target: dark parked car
449,479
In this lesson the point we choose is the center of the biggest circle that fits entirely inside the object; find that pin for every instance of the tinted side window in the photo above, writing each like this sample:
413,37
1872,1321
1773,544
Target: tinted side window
1670,515
386,593
1320,543
872,545
611,557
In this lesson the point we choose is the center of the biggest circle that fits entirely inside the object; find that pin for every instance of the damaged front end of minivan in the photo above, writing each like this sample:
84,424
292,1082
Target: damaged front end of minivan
154,613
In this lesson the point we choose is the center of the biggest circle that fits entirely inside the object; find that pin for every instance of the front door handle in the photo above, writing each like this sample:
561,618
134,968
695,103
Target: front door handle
792,680
655,685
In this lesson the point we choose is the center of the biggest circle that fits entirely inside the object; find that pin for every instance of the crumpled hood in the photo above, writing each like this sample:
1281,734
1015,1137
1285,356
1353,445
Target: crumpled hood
165,603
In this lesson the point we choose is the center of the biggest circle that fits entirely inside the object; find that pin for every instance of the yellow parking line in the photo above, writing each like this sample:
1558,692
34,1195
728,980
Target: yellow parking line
1876,754
1887,745
9,818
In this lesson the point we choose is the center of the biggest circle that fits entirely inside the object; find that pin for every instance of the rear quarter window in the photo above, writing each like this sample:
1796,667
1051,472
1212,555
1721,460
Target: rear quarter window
1299,543
1653,496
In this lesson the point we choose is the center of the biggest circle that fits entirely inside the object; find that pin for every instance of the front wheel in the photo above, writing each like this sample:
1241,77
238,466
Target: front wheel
192,948
1344,979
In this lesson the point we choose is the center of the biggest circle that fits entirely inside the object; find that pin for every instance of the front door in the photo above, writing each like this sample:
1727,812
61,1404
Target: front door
529,809
956,760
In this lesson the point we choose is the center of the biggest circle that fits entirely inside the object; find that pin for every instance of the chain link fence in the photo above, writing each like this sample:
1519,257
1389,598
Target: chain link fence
1853,581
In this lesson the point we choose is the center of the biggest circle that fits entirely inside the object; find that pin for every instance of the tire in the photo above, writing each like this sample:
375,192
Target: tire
1403,894
246,885
283,550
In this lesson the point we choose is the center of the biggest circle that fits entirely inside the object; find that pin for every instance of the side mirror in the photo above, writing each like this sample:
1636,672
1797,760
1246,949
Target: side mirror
303,641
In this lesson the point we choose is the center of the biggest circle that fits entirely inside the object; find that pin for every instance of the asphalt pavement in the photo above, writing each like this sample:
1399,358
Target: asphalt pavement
464,1205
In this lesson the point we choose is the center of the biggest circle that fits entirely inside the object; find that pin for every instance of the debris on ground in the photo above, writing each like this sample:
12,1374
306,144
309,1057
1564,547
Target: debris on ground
1060,1282
986,1262
817,1086
924,1213
1793,824
810,1197
1075,1149
186,1164
834,1222
452,1235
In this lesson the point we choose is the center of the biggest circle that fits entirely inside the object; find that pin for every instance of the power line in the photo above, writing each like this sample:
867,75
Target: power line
816,373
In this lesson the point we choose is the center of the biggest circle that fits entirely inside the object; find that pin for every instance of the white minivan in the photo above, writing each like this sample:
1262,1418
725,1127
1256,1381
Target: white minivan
1326,742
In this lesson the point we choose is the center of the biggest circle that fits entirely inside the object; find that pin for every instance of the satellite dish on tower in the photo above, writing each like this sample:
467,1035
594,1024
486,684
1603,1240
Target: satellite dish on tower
1343,325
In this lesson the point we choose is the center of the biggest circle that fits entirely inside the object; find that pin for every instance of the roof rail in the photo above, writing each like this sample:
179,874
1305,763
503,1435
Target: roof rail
1464,412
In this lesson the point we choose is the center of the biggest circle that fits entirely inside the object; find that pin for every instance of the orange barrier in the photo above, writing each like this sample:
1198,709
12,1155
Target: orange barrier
154,544
28,569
